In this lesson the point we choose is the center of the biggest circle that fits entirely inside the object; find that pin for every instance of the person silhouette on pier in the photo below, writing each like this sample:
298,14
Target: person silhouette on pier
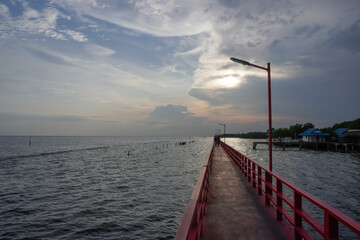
217,140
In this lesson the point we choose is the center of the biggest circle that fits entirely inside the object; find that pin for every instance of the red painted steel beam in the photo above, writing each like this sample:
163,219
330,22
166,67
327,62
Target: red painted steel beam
270,118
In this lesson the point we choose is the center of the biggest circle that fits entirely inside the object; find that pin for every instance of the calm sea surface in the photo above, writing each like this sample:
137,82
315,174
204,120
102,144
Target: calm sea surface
90,188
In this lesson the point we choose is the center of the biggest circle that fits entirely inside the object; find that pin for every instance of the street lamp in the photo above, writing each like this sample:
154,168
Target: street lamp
223,124
269,100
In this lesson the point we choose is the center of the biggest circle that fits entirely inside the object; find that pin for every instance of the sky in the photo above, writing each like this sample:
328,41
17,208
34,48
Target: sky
162,68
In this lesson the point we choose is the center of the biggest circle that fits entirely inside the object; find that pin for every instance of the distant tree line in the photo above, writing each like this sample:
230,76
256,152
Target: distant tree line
294,130
347,124
252,135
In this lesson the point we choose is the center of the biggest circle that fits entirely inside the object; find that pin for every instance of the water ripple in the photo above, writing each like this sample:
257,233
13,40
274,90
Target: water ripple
50,153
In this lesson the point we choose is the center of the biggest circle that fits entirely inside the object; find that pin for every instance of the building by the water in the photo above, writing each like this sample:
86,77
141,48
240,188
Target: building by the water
350,136
313,135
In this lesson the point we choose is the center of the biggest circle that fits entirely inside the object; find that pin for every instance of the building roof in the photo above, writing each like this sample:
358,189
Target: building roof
353,133
340,131
313,132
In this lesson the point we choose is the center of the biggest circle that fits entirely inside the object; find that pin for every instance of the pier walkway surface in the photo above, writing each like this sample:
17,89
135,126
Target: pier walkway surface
233,210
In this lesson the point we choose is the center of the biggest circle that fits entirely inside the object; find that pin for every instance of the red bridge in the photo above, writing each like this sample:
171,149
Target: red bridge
236,198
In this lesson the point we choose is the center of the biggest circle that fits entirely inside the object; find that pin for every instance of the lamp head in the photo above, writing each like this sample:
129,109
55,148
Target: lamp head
240,61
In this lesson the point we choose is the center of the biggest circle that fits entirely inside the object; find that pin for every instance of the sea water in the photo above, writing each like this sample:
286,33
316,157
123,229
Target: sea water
96,187
138,187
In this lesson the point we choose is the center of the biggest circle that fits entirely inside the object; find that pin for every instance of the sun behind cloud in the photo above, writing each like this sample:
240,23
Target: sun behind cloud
228,82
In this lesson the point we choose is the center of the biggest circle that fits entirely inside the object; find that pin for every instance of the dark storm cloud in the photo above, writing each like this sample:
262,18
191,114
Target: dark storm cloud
327,88
334,99
348,38
336,57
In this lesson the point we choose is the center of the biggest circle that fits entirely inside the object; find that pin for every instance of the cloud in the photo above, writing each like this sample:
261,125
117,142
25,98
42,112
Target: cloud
77,36
35,22
208,32
211,96
307,30
168,18
48,57
177,120
55,125
175,115
180,52
347,38
8,116
170,112
4,26
98,50
305,53
249,99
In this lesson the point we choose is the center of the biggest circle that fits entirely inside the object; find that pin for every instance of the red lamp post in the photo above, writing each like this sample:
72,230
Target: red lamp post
269,101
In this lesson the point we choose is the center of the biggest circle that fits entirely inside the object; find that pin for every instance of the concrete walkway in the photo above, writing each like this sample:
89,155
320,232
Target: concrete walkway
233,211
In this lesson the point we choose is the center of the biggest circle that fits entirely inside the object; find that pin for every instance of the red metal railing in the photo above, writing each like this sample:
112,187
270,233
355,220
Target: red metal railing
191,224
261,179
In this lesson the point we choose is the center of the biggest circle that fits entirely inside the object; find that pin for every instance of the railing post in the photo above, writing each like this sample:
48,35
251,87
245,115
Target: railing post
259,181
268,191
331,226
253,175
242,163
249,170
245,167
297,217
278,200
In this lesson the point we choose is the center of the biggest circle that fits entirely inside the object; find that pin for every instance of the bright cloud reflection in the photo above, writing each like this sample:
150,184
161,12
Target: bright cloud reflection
228,82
